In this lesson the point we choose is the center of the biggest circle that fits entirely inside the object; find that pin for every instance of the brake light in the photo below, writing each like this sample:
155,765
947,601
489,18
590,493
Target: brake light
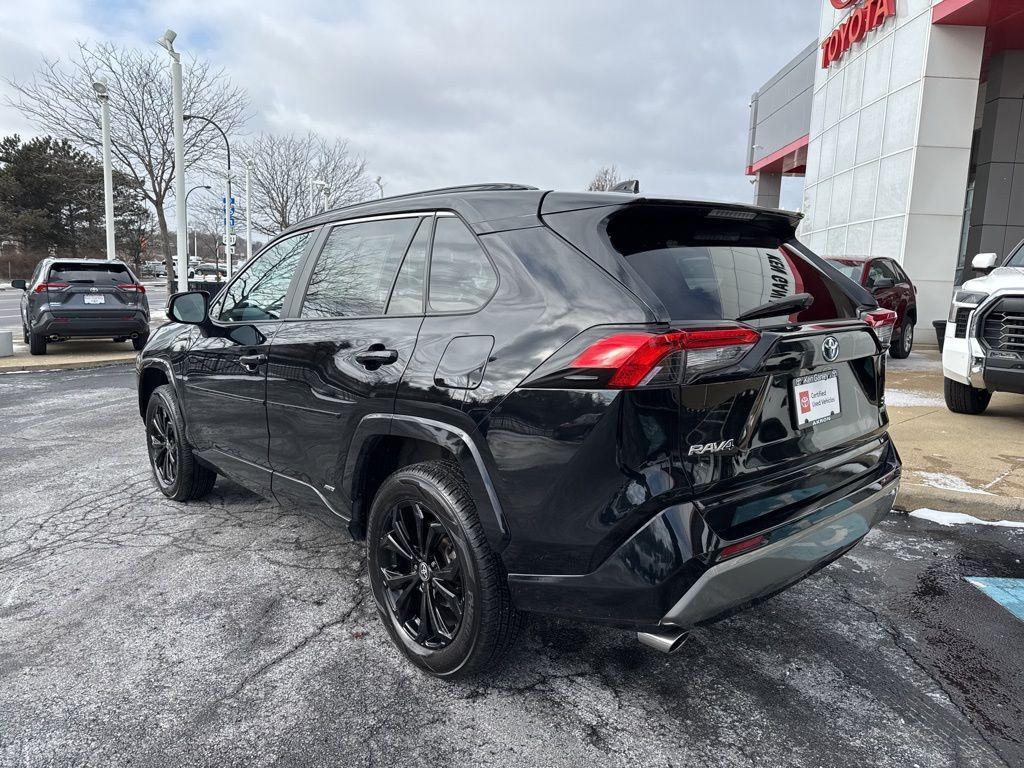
58,286
132,287
638,358
883,321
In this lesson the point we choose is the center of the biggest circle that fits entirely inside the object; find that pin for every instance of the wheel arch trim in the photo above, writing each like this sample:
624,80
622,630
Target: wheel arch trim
461,445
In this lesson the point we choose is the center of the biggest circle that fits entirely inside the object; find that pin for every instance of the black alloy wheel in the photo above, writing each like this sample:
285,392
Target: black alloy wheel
422,575
179,474
163,445
441,591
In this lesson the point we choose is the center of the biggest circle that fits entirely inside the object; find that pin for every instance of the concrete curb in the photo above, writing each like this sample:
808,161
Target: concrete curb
983,506
65,365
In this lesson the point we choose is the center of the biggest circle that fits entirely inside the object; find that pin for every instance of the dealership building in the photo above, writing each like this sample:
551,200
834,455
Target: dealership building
905,119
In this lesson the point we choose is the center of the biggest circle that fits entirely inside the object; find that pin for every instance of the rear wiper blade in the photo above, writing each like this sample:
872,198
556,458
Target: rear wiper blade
795,303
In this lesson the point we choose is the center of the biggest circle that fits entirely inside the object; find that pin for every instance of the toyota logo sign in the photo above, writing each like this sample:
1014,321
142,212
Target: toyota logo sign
830,349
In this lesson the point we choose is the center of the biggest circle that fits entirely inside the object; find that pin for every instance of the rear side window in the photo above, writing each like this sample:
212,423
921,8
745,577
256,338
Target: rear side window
89,274
461,276
407,295
356,268
703,268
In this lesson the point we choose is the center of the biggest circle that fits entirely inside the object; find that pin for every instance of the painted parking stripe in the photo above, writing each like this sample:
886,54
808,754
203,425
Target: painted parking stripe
1009,593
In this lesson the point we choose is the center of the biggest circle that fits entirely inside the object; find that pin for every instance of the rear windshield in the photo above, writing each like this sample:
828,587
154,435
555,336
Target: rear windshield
706,269
90,274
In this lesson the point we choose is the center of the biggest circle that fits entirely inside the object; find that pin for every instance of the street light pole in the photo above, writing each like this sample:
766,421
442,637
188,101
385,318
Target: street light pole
248,214
167,42
103,96
227,199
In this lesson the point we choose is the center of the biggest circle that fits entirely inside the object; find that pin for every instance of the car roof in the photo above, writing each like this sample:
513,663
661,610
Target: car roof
497,206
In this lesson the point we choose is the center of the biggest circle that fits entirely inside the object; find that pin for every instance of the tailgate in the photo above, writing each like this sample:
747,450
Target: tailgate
809,420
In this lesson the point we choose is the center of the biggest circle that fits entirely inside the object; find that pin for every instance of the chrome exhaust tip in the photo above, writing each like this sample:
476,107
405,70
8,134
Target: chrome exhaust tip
667,641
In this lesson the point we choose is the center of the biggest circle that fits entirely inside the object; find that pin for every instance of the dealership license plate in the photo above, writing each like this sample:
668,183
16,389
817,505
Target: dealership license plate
95,300
816,398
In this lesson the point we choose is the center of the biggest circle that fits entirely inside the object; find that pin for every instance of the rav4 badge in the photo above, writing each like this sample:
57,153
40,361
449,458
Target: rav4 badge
712,447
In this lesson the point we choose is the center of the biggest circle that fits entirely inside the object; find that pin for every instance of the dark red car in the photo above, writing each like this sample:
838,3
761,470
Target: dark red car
892,289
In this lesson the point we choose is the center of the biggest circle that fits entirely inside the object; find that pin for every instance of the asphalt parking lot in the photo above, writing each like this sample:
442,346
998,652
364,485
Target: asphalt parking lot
138,631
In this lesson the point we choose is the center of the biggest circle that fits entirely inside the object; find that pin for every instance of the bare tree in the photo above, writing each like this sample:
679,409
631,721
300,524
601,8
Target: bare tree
60,100
606,177
285,167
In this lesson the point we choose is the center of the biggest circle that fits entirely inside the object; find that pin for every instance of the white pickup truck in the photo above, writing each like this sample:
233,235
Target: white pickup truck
983,351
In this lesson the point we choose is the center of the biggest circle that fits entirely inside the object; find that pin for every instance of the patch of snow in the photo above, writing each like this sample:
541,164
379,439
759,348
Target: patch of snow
958,518
948,482
900,399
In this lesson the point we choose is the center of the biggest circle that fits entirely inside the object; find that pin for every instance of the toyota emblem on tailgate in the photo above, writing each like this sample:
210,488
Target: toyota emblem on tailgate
830,348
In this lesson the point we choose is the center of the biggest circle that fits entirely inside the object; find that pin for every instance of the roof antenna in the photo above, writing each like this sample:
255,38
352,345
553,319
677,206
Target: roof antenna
630,186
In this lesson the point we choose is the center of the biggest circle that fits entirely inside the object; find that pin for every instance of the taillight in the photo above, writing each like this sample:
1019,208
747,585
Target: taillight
640,359
58,286
132,287
883,321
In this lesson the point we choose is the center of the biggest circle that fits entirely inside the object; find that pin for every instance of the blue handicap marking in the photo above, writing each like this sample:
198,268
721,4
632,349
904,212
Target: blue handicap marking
1009,593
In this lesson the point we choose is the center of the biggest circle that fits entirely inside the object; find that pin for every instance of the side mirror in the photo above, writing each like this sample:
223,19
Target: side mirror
19,284
191,308
985,262
883,283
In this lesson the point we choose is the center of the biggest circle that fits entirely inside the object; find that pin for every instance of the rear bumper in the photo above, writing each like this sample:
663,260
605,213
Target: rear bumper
670,573
813,544
132,322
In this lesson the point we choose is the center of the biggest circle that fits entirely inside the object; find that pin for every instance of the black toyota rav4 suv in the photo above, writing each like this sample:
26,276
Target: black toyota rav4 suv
646,413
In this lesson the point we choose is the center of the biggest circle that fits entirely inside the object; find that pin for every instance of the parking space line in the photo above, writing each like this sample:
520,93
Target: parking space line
1009,593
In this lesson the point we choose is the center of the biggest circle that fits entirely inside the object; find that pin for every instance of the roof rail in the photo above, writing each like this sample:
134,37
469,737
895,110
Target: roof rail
495,187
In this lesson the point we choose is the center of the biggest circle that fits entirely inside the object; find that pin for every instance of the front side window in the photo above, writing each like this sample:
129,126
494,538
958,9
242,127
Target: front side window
259,292
461,276
356,268
880,269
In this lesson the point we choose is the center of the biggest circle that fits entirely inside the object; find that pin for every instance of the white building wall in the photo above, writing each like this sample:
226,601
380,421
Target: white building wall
891,129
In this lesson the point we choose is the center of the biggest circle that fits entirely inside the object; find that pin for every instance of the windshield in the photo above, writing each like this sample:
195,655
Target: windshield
1016,257
852,271
89,274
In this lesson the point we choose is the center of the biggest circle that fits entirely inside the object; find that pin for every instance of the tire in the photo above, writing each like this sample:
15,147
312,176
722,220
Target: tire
963,398
177,472
426,510
902,347
36,344
139,342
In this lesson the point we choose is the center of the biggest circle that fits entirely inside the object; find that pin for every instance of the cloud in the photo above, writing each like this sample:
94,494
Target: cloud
453,92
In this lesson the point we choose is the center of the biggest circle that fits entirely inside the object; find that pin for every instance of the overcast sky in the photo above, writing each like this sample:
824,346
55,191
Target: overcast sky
451,92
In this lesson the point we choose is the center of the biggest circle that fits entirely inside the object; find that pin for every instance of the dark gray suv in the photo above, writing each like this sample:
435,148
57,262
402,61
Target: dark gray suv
84,299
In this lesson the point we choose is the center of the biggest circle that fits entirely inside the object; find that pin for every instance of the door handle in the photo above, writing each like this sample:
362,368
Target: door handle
374,358
252,362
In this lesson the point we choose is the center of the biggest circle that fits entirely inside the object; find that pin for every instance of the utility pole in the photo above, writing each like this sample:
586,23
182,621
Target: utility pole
103,96
181,215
